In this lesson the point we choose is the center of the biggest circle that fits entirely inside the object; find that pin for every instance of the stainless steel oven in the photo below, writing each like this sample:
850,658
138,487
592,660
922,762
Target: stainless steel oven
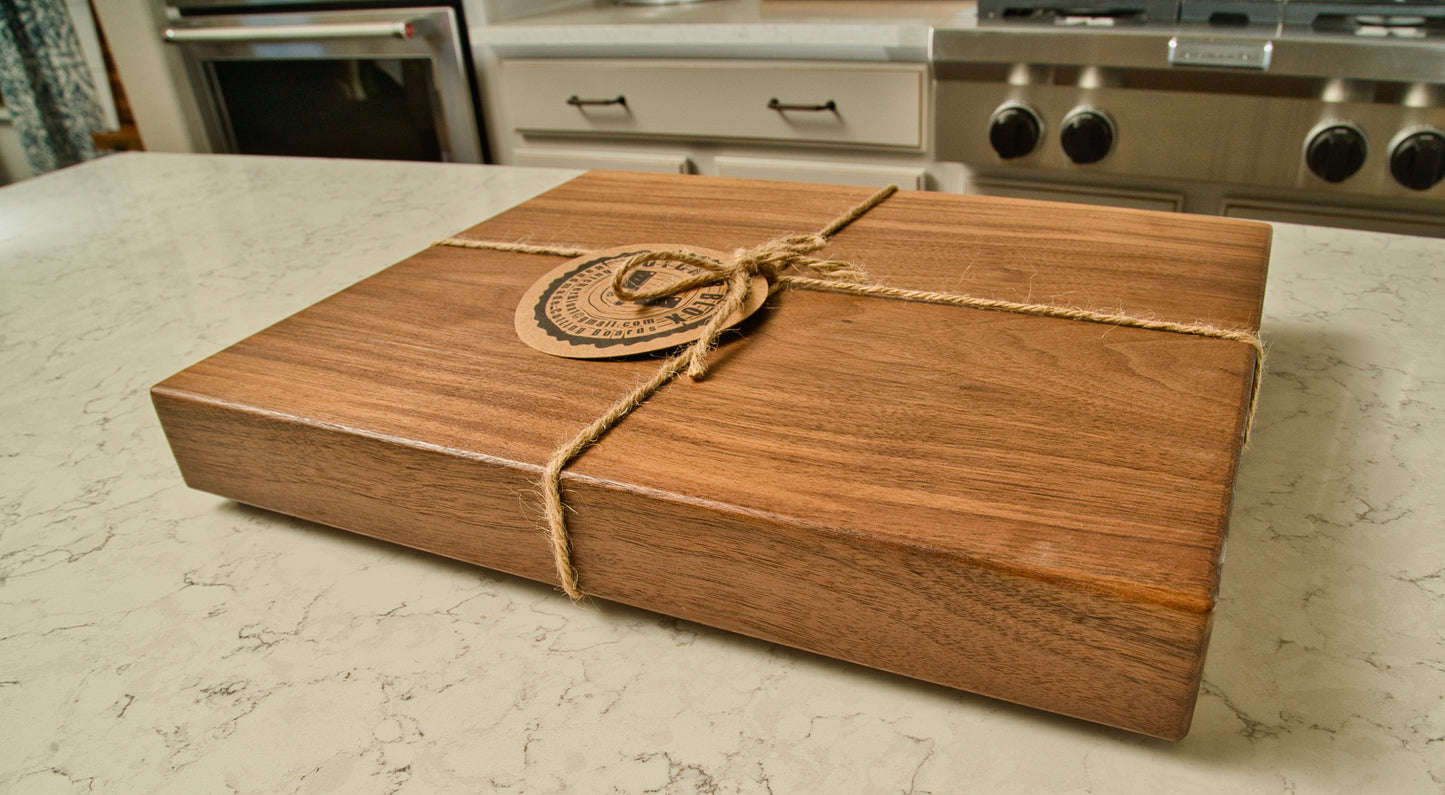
1322,111
362,80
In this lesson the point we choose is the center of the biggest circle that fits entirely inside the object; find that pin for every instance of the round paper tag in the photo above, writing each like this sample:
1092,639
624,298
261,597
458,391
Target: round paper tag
573,312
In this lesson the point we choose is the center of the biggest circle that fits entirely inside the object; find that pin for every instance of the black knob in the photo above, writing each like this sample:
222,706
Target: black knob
1014,131
1418,162
1336,153
1087,136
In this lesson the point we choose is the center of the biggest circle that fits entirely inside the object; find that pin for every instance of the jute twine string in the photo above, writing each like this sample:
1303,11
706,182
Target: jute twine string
520,248
770,260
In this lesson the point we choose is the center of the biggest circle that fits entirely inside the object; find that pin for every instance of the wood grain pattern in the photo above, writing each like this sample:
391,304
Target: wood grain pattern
1028,508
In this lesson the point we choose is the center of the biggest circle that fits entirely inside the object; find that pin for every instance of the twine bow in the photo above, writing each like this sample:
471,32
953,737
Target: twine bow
768,260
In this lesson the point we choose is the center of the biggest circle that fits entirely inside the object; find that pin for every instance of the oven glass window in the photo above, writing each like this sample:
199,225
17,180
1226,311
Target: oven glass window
361,108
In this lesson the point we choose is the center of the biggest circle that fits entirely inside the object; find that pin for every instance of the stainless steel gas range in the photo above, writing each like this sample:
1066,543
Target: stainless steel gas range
1319,111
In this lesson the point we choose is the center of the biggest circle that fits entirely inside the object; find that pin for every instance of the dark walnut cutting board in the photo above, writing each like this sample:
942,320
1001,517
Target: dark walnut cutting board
1029,508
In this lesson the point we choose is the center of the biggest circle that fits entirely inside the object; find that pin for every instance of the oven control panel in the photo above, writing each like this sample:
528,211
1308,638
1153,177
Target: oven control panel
1357,145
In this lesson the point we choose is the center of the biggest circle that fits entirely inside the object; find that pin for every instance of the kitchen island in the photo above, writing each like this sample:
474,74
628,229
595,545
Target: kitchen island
153,638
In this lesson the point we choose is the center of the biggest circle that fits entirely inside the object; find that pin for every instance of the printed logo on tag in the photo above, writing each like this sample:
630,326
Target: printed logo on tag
574,312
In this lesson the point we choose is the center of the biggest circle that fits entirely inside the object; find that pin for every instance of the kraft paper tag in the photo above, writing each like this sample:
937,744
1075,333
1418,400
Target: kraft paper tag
573,312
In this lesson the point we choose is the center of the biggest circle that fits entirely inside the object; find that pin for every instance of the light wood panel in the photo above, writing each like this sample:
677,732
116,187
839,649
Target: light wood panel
1028,508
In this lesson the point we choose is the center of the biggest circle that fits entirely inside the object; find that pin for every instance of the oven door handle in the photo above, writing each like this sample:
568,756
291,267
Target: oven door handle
406,29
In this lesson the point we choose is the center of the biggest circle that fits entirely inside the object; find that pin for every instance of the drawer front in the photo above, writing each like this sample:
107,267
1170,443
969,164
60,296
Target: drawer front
869,105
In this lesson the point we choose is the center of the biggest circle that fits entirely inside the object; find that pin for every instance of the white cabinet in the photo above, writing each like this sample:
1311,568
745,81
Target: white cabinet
845,123
856,104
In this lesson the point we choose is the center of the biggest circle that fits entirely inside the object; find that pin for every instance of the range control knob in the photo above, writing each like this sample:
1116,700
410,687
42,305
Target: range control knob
1418,161
1335,153
1087,136
1014,131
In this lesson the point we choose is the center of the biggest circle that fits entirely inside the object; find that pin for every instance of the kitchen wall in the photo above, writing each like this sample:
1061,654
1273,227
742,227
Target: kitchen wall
13,166
167,119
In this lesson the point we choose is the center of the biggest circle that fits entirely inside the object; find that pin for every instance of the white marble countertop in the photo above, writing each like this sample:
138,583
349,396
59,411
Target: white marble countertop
848,30
157,639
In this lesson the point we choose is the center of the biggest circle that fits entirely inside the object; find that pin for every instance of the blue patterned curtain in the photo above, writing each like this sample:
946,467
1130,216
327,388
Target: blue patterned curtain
46,84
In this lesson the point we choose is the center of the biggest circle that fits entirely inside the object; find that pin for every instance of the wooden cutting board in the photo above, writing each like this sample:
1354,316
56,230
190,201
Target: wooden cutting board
1029,508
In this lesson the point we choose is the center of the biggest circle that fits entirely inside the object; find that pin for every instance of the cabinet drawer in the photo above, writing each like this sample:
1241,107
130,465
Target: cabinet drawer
859,104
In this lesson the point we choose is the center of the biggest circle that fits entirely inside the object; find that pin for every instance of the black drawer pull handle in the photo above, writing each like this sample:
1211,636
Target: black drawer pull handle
774,104
578,102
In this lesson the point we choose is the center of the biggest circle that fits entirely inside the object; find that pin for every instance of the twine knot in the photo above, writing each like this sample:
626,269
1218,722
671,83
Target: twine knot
735,275
768,260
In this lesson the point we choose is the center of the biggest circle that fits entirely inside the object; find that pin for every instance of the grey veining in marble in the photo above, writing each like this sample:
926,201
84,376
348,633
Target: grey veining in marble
157,639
